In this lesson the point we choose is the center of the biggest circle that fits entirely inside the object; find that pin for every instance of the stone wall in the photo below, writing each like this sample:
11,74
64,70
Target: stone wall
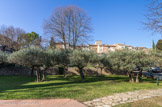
14,70
19,70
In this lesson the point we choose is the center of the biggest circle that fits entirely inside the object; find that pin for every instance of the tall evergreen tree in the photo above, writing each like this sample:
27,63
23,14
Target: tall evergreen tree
159,45
153,46
52,43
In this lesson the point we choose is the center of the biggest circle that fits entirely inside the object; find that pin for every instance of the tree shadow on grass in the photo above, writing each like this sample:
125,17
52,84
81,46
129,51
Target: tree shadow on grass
18,83
76,79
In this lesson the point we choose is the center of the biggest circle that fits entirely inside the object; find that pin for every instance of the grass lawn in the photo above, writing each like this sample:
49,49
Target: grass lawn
151,102
24,87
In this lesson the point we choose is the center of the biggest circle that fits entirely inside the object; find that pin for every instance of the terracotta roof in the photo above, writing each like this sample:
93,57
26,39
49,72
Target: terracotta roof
92,45
119,44
111,45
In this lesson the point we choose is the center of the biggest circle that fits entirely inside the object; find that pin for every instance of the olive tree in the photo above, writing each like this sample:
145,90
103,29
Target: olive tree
63,57
142,60
48,62
100,61
80,59
3,57
32,57
122,61
157,58
128,61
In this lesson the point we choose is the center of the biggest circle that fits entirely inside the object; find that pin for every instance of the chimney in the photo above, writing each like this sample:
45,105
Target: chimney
98,42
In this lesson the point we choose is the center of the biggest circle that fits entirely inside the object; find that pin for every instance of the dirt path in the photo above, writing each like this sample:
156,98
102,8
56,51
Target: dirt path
41,103
126,97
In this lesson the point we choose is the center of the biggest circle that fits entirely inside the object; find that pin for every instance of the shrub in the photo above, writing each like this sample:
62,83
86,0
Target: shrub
80,59
32,57
128,61
3,57
159,45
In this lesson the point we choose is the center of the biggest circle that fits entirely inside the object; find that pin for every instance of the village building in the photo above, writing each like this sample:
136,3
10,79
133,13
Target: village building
98,47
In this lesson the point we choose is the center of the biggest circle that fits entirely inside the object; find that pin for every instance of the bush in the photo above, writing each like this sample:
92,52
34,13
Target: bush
159,45
32,57
128,61
3,57
80,59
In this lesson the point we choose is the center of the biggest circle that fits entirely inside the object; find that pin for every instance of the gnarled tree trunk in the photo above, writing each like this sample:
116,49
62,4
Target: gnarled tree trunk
43,76
101,70
131,77
81,74
37,75
137,78
40,75
139,75
32,71
65,71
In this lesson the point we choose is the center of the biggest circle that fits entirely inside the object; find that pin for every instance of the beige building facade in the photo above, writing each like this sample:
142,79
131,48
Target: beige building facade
98,47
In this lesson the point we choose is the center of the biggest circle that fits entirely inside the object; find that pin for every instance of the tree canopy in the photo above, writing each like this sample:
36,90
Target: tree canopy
159,45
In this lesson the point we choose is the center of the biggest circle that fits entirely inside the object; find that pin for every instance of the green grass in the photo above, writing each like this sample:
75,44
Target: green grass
24,87
151,102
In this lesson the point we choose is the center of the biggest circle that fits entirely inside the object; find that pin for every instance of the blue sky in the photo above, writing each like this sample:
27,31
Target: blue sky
113,21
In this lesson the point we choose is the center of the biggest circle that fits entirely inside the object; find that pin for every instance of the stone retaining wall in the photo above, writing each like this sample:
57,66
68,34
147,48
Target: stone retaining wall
19,70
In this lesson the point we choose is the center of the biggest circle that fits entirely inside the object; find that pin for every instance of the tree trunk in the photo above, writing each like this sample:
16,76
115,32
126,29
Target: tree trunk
3,48
40,75
97,70
37,76
137,78
43,77
101,71
32,71
44,74
81,74
131,79
65,70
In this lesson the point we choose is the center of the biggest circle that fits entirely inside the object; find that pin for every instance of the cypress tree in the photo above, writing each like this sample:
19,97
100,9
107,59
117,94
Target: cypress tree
153,46
159,45
52,43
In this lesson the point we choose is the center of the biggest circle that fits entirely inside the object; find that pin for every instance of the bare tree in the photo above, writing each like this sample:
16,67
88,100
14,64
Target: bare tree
81,26
69,24
56,25
154,17
11,32
5,42
9,36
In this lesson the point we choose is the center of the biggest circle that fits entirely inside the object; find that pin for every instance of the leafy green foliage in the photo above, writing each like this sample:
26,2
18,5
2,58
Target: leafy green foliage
32,56
153,46
52,43
159,45
157,57
100,61
32,36
81,58
26,40
3,57
121,61
129,60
